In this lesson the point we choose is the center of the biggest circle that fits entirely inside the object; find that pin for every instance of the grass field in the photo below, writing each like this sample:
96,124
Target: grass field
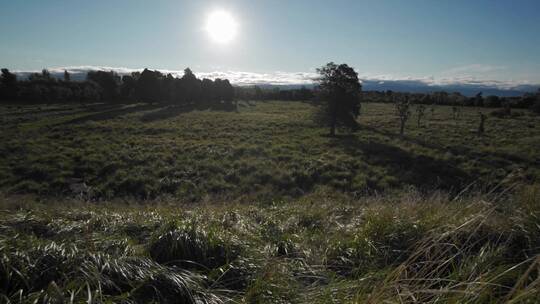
145,203
266,151
323,248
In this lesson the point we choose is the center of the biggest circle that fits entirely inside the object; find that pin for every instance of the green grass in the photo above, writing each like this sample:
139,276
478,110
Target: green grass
266,151
322,248
149,204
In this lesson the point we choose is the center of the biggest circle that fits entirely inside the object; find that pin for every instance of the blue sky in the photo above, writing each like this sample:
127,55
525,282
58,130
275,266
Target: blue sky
433,39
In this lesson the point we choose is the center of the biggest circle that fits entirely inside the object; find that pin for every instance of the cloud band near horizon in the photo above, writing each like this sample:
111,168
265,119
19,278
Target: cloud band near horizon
279,78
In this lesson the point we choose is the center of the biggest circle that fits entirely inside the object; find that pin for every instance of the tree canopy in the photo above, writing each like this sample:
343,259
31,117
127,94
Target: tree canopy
146,86
339,90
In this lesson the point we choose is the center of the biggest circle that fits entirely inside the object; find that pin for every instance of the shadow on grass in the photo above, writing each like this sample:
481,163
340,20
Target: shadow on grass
421,171
66,109
175,110
112,113
166,113
493,158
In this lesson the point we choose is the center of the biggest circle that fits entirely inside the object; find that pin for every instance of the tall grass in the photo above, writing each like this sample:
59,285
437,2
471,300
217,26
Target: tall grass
410,247
63,273
488,256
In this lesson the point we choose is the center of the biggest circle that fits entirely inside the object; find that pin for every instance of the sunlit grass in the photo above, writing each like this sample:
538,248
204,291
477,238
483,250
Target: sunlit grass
392,248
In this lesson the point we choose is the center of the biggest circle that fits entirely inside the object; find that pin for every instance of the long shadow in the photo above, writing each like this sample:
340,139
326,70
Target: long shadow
62,109
166,113
503,158
110,114
424,172
102,107
41,111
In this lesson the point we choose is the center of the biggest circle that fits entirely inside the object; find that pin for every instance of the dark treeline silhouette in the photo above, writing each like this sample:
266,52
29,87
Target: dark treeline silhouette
43,88
156,87
274,93
527,101
146,86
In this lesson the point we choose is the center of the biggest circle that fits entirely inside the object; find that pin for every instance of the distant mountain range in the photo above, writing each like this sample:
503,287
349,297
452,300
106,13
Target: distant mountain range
286,80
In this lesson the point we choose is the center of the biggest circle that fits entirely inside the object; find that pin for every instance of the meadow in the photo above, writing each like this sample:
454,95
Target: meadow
265,151
145,203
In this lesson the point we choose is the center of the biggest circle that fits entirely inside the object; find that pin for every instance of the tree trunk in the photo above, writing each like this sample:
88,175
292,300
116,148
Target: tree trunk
333,122
402,128
481,126
482,120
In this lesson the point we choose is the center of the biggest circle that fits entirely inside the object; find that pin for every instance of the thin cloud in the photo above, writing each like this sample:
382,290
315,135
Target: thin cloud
458,76
474,69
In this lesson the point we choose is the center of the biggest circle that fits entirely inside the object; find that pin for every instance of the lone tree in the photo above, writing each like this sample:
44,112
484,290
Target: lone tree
7,78
67,77
455,112
8,84
403,111
482,121
339,90
420,111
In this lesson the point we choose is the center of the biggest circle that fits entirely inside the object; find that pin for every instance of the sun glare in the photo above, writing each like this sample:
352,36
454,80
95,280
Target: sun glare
221,27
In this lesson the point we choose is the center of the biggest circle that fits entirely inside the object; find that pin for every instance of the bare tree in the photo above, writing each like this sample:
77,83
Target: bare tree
420,112
482,121
455,112
67,76
403,111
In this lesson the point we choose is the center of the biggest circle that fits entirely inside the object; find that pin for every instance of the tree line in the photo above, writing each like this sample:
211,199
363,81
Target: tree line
156,87
274,93
526,101
146,86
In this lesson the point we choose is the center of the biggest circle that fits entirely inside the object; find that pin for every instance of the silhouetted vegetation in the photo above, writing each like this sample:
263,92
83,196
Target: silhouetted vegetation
403,112
339,91
274,93
483,118
535,107
101,86
527,101
455,112
156,87
420,112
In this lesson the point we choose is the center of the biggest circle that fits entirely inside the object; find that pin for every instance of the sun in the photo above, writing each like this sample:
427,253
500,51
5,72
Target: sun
221,27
